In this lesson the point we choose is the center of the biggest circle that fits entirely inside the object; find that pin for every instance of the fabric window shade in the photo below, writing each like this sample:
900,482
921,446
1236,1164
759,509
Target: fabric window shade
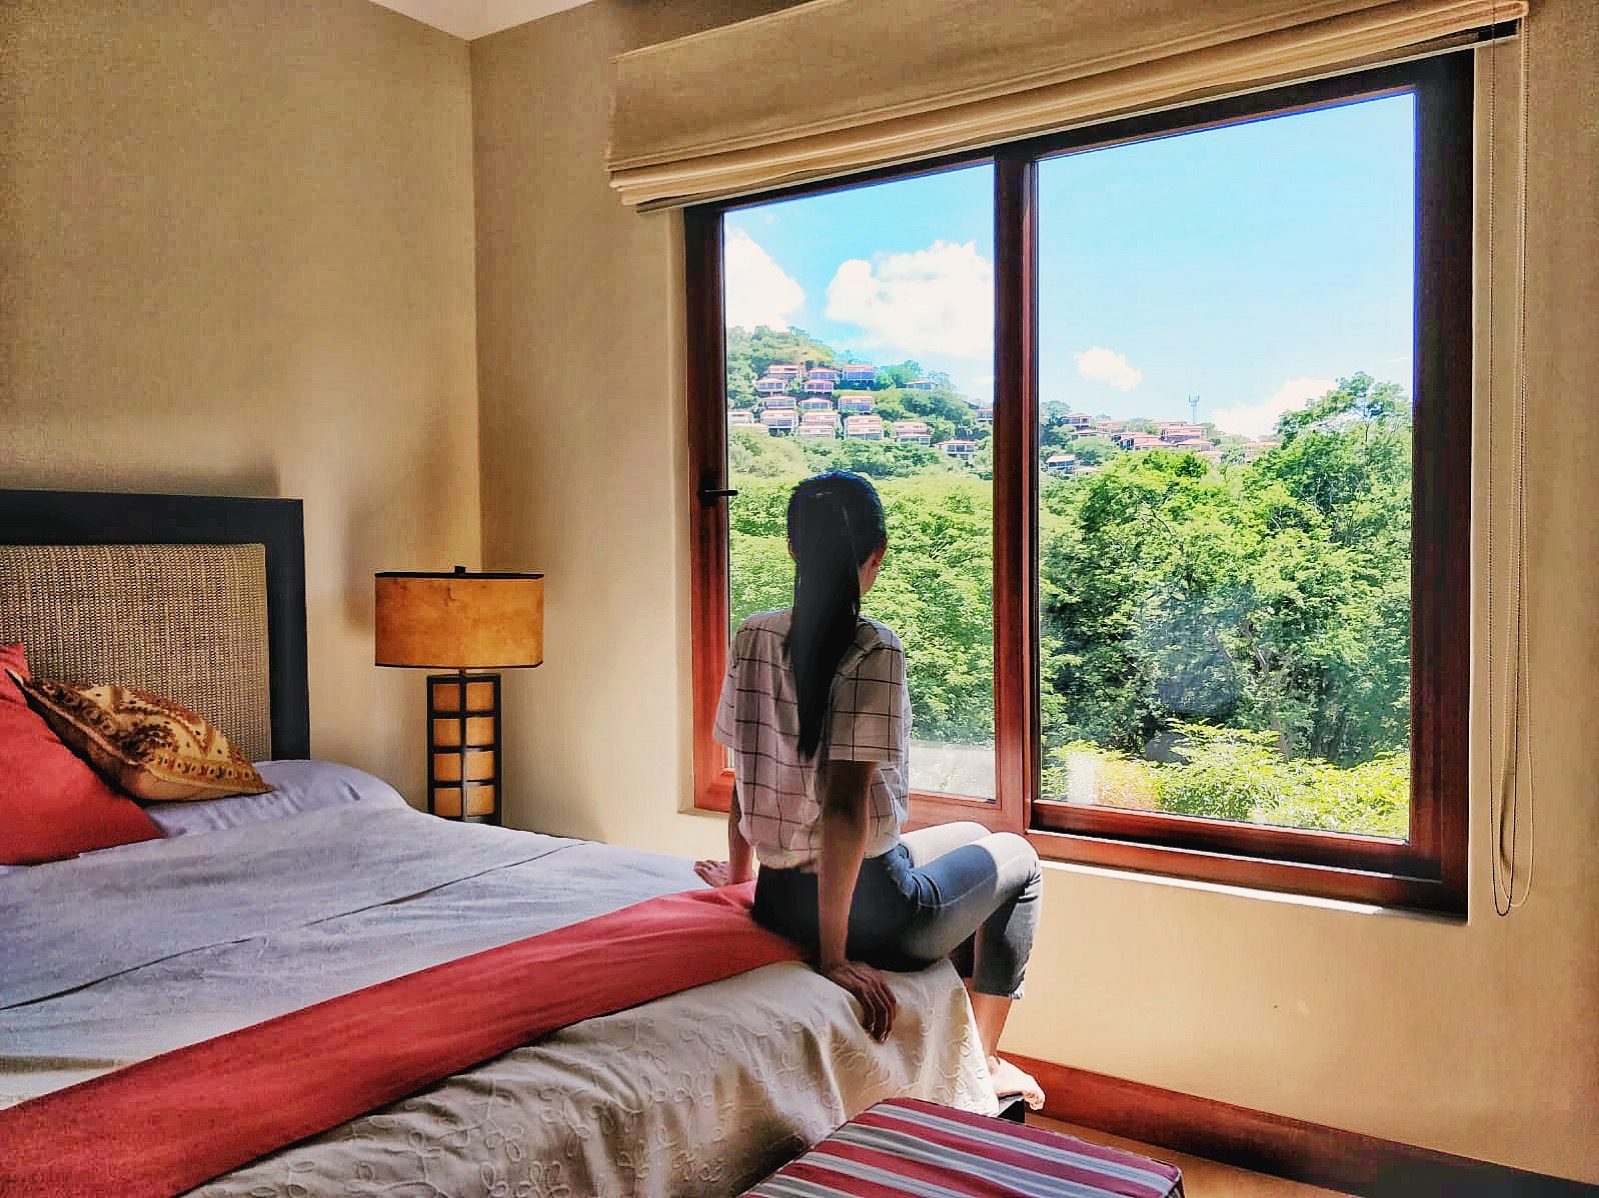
835,86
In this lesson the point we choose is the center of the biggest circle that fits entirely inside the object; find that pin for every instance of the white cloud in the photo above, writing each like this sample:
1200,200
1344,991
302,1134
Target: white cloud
979,387
1101,365
1258,420
939,300
757,290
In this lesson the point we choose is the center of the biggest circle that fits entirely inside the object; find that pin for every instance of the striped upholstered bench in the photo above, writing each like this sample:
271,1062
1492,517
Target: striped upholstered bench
905,1147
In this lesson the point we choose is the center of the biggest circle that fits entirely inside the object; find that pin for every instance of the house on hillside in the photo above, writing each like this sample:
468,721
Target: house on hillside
920,385
828,420
740,418
914,432
863,428
958,447
779,421
1061,463
1138,441
811,404
815,430
1077,420
855,403
819,386
788,371
858,374
985,413
770,385
781,403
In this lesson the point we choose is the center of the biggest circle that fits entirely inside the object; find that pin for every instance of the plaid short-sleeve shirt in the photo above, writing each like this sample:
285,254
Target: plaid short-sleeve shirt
869,719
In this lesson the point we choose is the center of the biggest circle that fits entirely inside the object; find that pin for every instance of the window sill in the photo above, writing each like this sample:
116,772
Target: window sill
1284,897
1351,890
1336,887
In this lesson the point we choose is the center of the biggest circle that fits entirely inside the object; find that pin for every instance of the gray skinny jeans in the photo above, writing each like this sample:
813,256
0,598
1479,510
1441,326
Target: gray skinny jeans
954,890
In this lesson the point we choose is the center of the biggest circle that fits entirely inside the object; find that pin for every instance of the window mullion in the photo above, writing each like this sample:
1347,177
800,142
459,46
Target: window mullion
1016,744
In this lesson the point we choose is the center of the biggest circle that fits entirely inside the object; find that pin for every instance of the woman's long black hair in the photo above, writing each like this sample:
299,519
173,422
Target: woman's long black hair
835,523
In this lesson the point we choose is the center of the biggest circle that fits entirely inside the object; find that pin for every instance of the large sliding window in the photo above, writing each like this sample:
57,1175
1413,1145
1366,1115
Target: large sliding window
1171,418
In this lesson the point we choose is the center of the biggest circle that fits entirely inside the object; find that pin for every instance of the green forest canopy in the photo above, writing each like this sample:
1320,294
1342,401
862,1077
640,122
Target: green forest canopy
1255,616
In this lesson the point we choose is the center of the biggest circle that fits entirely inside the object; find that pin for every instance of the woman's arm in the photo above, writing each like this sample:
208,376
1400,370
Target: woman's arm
846,793
740,866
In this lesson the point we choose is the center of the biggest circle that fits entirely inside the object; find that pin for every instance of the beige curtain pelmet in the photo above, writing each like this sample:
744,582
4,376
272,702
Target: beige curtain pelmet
835,86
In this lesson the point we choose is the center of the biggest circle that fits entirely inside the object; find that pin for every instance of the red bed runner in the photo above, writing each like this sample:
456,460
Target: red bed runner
169,1123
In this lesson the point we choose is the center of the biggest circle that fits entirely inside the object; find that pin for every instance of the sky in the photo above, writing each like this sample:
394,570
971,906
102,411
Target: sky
1250,266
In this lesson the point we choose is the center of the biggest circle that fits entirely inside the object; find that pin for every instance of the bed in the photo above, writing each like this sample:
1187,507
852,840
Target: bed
254,906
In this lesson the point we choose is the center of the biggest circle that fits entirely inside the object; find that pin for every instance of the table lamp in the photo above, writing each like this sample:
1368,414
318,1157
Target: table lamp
464,623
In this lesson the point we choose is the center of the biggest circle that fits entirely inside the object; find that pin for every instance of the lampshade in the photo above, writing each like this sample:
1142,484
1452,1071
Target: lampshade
459,621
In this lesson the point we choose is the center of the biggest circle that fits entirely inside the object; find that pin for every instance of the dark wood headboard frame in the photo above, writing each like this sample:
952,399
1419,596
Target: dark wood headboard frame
107,518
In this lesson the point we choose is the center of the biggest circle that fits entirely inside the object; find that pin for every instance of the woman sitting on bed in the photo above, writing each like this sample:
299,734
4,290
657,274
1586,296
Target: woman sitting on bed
816,711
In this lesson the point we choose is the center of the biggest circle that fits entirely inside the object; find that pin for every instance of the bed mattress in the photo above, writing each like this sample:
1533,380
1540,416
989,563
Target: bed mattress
116,956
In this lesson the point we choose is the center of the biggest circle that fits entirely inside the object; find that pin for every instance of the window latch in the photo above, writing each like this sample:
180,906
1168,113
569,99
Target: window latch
709,494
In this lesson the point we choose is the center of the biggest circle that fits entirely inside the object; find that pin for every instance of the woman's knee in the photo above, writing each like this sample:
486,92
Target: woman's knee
928,844
1017,859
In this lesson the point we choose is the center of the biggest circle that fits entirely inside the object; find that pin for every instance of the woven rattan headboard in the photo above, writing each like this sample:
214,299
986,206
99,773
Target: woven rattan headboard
185,621
200,599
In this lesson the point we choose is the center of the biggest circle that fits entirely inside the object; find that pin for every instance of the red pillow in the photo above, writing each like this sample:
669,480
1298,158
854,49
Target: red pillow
52,805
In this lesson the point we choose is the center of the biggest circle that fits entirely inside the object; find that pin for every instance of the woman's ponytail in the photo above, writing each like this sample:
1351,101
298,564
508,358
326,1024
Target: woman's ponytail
835,523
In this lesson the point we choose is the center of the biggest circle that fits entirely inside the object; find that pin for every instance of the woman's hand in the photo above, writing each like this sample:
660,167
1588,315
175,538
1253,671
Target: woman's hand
717,873
871,988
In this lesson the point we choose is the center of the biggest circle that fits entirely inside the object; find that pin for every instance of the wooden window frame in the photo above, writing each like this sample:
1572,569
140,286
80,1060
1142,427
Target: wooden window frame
1427,871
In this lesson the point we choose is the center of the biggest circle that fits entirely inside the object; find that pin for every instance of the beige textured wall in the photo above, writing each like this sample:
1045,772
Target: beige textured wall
584,451
1479,1038
238,259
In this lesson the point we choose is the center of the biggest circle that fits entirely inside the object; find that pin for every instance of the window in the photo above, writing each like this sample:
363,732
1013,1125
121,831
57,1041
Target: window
799,402
1171,417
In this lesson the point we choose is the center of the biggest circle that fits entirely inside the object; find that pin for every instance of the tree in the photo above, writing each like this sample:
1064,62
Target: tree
944,411
1091,451
889,406
898,375
1273,598
876,459
769,346
749,354
1054,434
755,453
1334,638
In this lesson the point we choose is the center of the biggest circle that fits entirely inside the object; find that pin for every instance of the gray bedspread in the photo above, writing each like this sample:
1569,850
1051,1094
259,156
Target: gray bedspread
115,957
86,919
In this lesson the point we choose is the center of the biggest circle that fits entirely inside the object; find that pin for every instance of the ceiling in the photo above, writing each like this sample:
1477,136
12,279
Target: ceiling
476,18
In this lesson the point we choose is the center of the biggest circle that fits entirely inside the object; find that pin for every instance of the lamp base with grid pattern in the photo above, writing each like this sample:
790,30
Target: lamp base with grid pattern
464,746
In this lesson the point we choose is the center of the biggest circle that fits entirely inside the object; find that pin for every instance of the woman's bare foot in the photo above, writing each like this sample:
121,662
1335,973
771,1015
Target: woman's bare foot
1008,1080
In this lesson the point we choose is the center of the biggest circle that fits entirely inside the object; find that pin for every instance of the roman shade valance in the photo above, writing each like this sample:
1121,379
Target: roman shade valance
834,86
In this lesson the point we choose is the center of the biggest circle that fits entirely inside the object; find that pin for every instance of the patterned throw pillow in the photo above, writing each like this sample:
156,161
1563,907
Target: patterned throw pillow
153,748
